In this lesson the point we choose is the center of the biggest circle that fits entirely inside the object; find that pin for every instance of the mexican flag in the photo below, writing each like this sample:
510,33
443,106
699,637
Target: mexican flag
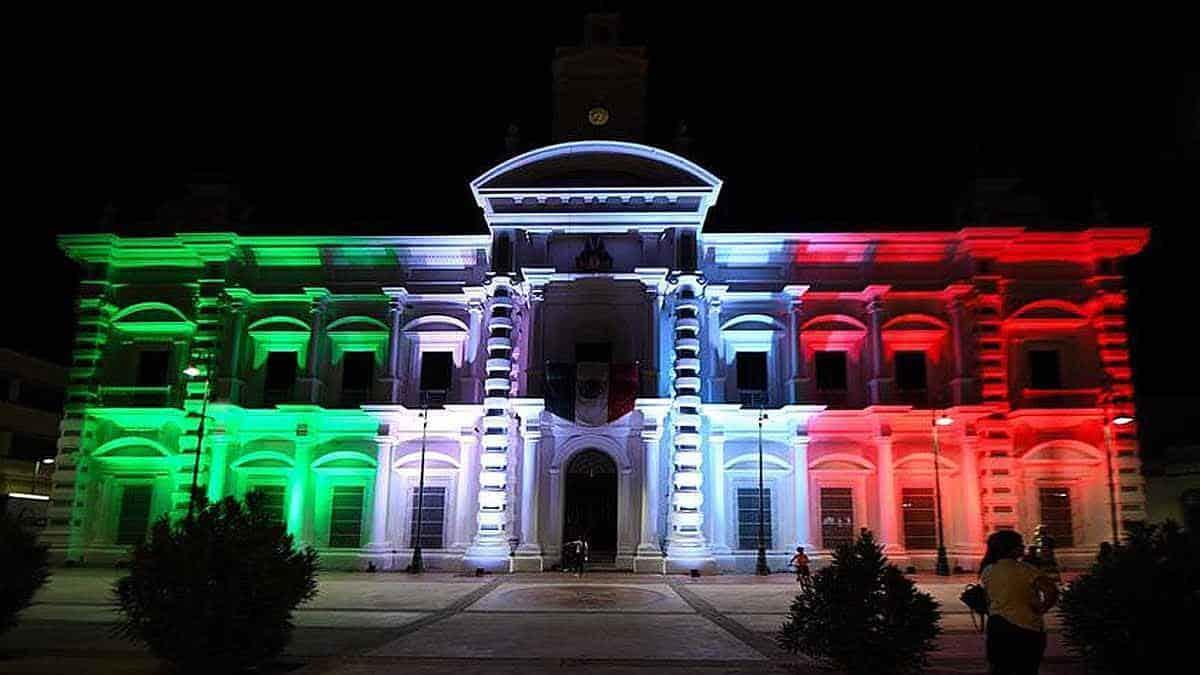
591,393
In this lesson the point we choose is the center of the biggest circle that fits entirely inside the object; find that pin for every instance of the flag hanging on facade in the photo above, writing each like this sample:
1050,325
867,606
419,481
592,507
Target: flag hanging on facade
591,393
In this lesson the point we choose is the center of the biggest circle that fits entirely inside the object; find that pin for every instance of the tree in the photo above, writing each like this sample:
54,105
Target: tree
24,568
863,615
216,592
1135,609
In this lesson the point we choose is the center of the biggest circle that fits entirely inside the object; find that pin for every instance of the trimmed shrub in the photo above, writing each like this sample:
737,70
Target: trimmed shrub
24,568
861,614
215,593
1135,609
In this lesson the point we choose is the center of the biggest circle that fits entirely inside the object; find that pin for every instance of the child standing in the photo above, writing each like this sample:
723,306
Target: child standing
800,560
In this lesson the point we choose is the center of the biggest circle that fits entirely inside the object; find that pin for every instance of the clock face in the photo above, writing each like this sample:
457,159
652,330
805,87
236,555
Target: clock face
598,116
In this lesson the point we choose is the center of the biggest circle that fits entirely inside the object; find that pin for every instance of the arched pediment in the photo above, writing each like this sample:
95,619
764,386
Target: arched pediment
150,311
922,462
758,322
279,323
1062,452
750,460
131,447
841,461
264,459
922,322
358,324
153,317
413,459
1049,310
834,323
435,322
344,459
595,164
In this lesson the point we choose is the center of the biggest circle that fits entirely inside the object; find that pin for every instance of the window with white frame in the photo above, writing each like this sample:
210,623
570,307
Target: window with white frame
345,516
920,519
837,516
432,517
747,518
1055,510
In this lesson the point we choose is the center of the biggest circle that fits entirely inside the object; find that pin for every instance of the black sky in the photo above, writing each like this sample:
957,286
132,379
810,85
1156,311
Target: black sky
376,124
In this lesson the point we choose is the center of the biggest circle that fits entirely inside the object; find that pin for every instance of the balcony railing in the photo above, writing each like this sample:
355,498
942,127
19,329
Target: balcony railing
165,396
1059,398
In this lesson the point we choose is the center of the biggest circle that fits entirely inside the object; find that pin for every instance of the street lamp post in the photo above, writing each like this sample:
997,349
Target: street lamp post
943,562
193,371
417,565
760,566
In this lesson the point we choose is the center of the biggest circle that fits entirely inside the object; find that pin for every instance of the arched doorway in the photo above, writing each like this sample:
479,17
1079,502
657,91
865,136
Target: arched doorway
590,507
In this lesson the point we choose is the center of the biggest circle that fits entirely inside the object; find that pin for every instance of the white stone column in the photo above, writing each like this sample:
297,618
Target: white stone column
686,547
878,382
794,356
489,550
379,505
313,378
718,513
889,530
528,557
972,506
715,349
649,551
470,381
803,502
465,506
396,300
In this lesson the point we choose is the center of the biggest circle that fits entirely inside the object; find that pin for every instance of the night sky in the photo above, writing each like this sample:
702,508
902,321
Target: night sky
376,126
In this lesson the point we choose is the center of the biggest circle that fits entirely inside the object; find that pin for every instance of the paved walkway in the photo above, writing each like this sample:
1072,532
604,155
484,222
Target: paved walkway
435,623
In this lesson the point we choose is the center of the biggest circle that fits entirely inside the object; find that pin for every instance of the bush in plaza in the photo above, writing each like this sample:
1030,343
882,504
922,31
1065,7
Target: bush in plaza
861,614
1135,609
216,592
24,568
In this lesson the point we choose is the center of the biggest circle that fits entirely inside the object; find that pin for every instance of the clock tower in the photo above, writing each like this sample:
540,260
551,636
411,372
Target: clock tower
600,87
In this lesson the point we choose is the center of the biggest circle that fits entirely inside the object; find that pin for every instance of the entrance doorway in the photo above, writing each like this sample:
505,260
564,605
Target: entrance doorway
590,508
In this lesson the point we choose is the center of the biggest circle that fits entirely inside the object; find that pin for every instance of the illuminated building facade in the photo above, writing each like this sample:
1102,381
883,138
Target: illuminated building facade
318,350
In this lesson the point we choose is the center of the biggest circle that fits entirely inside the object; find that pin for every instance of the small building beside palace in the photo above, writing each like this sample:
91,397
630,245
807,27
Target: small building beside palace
600,364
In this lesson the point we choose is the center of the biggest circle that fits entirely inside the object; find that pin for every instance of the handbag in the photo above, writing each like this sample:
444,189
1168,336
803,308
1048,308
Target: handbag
975,597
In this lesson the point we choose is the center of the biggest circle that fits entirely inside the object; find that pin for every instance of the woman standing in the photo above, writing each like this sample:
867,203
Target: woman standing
1018,595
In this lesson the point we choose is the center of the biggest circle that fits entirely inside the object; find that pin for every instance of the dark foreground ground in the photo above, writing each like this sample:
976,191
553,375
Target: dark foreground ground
444,623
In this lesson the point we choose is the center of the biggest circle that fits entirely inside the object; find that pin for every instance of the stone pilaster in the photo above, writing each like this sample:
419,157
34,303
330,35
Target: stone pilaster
879,384
381,497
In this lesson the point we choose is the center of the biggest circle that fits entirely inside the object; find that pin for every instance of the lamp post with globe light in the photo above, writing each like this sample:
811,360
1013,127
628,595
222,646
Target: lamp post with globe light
193,371
943,562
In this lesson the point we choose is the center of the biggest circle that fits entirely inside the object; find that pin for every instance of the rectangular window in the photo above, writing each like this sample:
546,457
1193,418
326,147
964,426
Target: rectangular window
280,378
920,526
910,371
1044,372
436,370
134,518
272,500
1055,503
837,517
752,371
358,369
433,517
831,371
345,516
747,518
152,368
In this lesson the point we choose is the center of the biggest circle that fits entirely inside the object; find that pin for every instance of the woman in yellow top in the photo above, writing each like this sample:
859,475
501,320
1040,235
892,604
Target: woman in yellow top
1018,595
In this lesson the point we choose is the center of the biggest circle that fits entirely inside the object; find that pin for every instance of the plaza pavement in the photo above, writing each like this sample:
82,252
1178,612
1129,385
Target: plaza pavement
520,623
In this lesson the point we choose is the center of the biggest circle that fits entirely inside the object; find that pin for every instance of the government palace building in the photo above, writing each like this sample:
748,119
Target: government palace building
600,365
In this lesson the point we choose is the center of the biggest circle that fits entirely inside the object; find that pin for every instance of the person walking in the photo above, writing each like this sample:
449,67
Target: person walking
803,574
1019,594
